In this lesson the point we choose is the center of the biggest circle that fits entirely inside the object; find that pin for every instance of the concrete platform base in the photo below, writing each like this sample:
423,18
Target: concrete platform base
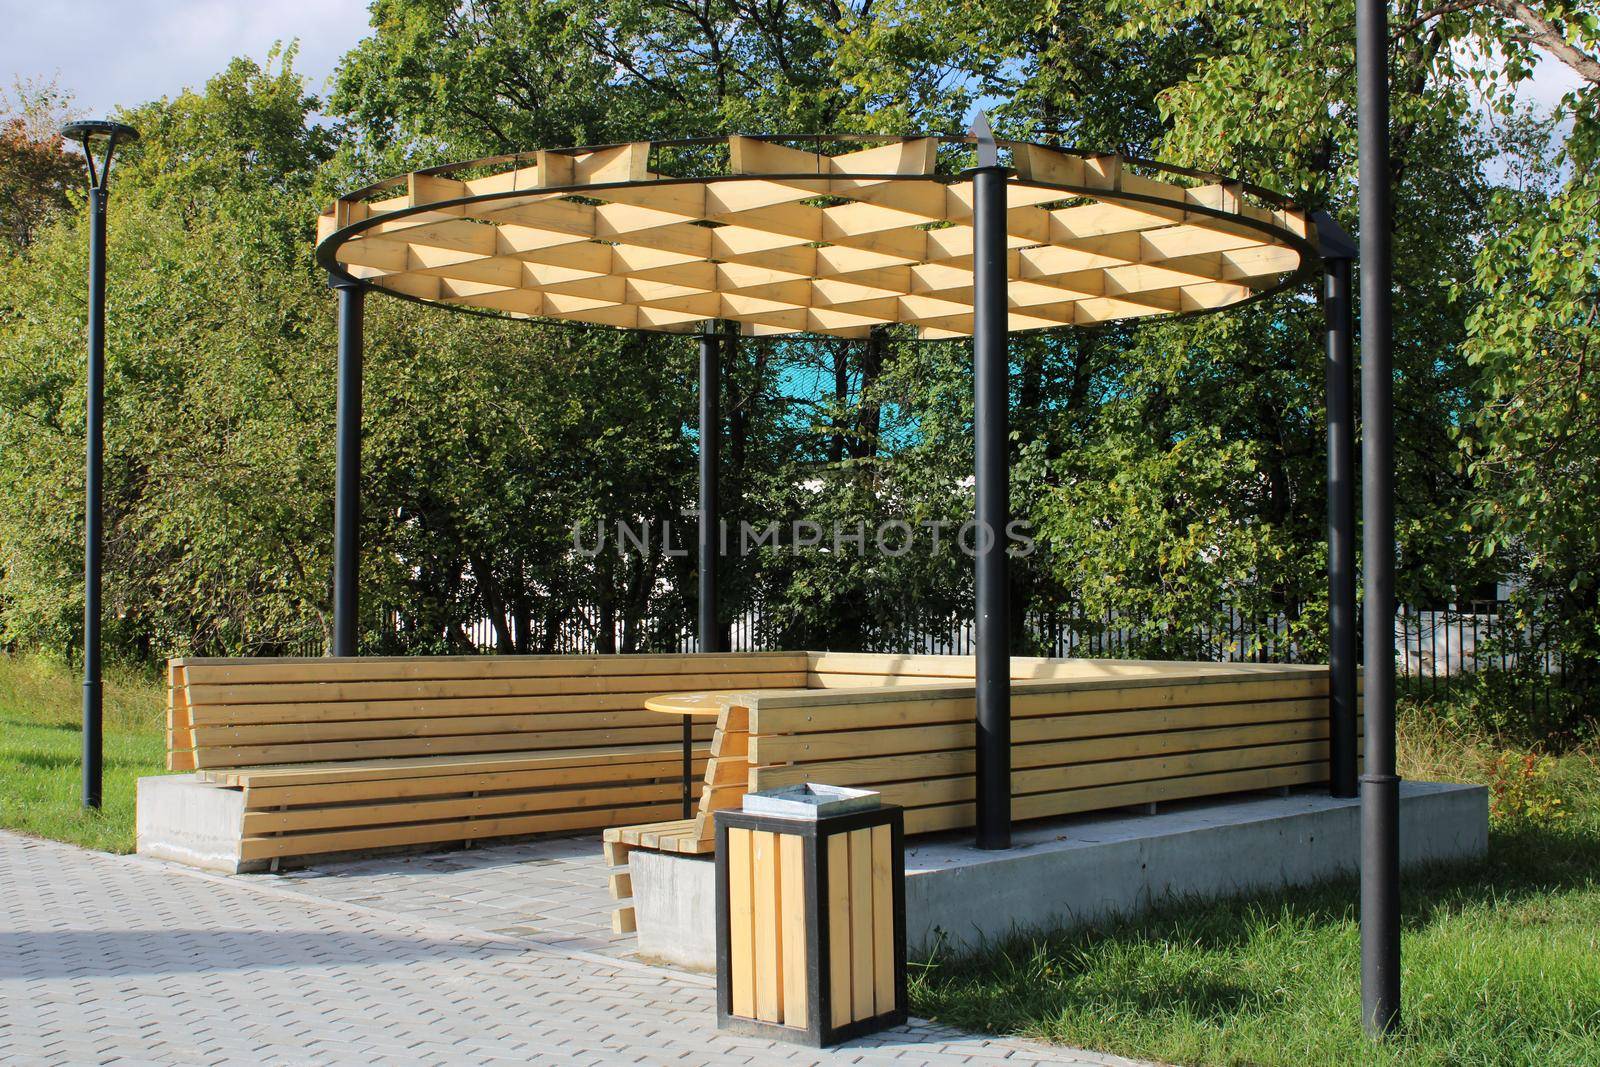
1080,870
181,819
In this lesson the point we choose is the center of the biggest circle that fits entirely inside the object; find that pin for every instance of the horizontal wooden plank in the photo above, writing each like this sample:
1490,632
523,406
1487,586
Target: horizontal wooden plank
838,690
948,666
670,837
896,767
454,725
423,766
935,791
867,681
790,748
667,767
631,835
721,798
325,751
921,709
322,692
1097,798
401,668
1178,765
348,816
883,771
322,842
383,710
723,770
1042,738
766,750
1131,746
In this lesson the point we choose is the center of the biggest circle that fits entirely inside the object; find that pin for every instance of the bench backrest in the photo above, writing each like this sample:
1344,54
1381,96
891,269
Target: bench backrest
255,712
1119,734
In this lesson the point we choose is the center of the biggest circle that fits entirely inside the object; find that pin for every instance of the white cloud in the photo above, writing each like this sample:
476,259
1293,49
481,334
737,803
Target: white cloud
111,53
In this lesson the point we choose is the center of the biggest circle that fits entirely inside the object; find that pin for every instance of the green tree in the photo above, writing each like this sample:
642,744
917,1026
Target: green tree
37,171
1533,443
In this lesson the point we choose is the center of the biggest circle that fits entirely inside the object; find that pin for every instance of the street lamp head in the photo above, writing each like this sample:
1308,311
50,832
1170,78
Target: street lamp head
95,132
94,129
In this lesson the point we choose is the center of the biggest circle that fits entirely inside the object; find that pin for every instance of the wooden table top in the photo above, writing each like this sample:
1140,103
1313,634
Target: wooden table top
706,703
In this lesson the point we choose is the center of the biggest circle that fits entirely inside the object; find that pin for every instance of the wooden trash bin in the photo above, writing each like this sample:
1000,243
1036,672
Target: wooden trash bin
811,932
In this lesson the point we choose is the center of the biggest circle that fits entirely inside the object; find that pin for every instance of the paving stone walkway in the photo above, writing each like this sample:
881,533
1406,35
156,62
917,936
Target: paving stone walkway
551,889
117,959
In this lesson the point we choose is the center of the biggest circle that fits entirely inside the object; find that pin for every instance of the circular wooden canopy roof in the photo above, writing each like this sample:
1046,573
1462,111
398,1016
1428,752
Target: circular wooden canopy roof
827,238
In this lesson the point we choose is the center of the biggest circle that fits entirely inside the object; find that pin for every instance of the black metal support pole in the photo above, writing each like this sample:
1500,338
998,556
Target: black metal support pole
1338,252
347,471
688,767
710,633
93,532
1380,786
992,482
708,629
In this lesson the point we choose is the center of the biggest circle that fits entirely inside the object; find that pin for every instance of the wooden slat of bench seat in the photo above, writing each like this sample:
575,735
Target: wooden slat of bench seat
325,751
322,692
677,835
394,668
668,767
317,843
397,812
453,725
381,769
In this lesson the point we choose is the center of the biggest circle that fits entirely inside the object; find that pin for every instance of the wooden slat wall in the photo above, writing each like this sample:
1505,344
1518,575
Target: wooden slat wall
347,754
1124,734
242,713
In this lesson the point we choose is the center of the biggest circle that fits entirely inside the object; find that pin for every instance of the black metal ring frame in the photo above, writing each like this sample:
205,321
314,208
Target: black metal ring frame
327,249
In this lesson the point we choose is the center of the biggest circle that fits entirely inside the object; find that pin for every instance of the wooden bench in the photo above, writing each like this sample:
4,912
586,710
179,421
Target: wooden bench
335,755
1087,735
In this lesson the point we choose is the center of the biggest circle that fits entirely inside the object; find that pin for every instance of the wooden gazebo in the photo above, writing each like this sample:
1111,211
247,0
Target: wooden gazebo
839,235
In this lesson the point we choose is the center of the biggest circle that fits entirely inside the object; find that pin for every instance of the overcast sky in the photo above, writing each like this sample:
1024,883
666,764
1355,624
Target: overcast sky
125,52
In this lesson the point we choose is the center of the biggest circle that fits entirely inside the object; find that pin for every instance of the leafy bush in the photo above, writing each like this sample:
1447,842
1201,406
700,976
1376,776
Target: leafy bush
1522,791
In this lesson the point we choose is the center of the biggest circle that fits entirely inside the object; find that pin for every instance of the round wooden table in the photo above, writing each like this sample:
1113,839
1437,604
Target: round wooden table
690,706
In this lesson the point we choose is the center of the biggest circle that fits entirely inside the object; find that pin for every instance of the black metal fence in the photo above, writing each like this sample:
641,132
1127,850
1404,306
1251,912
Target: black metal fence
1439,651
1434,647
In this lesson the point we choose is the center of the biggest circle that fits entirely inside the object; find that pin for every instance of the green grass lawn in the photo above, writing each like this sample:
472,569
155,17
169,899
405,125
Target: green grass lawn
41,705
1501,960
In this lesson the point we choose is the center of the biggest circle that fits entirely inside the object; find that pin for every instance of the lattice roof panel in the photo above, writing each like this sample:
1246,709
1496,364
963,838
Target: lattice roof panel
666,236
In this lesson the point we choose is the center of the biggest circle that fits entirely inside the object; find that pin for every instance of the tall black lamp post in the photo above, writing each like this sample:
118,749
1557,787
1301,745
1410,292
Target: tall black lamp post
1380,786
102,136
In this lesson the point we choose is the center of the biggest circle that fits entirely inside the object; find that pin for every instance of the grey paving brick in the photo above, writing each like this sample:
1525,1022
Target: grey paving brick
391,960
